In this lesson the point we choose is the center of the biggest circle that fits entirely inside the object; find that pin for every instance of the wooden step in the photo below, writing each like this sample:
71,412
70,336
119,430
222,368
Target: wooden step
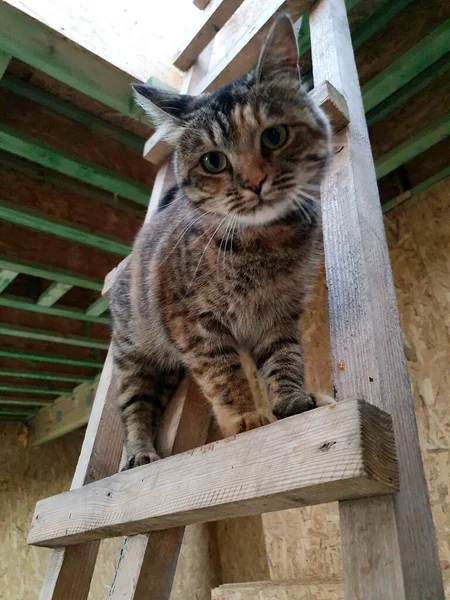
270,590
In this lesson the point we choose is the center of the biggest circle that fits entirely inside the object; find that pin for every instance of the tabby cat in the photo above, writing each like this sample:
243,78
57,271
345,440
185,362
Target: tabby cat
226,263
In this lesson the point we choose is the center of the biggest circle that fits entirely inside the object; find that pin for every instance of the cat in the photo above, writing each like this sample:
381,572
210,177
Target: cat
226,263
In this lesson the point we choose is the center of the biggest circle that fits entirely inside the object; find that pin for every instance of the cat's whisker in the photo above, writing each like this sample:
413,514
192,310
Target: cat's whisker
206,247
183,233
306,195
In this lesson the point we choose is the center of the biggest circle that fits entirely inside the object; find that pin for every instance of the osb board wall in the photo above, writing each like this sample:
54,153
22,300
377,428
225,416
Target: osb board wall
299,548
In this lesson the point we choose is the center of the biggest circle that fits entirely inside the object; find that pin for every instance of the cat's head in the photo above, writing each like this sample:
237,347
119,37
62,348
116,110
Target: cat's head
254,149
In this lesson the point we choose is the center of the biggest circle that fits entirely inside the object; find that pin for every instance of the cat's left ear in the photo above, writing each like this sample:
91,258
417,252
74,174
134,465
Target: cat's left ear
279,55
167,109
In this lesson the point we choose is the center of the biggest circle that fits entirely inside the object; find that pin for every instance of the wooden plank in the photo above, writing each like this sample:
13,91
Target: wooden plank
391,204
147,562
414,146
332,103
44,376
67,109
10,401
320,456
17,413
404,69
50,336
45,49
416,85
201,4
381,539
49,358
31,390
4,62
53,293
70,570
68,231
56,311
6,276
51,273
98,307
67,413
216,14
37,151
377,21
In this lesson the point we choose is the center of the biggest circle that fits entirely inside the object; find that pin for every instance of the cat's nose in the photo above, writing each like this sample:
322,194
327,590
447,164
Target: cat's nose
255,182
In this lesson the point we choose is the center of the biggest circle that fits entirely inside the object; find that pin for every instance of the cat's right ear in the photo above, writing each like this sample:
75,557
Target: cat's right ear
279,54
167,109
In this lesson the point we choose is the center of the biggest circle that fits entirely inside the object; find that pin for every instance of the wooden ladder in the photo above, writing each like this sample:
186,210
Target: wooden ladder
345,453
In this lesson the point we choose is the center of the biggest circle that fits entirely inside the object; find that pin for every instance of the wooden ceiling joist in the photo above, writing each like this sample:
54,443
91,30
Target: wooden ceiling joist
36,44
6,276
20,303
44,376
418,58
216,14
33,220
12,402
414,146
62,107
53,293
22,145
416,85
49,358
31,390
51,273
50,336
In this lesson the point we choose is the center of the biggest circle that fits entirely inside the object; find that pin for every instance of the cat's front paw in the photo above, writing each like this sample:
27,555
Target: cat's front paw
244,422
301,403
139,459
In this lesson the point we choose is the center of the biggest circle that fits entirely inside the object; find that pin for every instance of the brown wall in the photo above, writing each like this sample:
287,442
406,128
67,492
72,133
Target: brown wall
300,545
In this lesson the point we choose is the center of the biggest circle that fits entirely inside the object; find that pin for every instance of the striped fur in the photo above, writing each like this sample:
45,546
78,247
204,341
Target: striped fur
227,262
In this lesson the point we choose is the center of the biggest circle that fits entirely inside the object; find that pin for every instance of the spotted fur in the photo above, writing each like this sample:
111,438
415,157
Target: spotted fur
226,263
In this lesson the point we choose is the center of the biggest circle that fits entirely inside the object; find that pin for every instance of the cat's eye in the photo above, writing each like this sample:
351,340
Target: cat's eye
274,137
214,162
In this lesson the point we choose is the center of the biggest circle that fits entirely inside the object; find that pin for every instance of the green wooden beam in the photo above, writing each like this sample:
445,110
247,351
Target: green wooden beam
6,276
4,62
420,82
17,413
45,376
33,390
51,273
34,170
98,307
68,231
53,293
426,52
77,314
20,144
49,358
414,146
11,402
49,336
47,50
377,21
71,111
424,185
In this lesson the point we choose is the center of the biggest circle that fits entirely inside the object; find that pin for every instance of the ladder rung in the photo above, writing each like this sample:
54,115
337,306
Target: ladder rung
332,453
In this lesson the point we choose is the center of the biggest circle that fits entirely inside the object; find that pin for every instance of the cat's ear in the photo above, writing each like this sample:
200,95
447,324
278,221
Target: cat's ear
279,55
167,109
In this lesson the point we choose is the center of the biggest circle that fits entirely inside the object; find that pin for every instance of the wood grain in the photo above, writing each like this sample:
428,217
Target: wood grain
367,351
216,14
70,570
147,562
320,456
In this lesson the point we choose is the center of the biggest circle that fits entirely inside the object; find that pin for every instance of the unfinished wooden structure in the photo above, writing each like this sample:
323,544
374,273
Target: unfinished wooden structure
75,186
344,453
